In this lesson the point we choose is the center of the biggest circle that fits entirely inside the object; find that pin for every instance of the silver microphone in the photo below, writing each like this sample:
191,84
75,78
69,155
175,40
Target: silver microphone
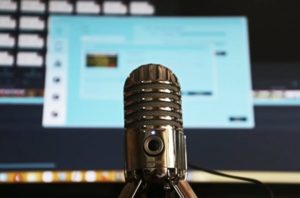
155,145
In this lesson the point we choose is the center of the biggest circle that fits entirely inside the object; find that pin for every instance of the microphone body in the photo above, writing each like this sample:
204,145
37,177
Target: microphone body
155,145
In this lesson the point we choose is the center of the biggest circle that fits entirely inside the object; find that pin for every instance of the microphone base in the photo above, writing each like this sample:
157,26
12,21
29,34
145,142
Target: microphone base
142,189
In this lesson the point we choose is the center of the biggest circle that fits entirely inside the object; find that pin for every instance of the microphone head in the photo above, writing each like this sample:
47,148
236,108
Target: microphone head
152,98
154,139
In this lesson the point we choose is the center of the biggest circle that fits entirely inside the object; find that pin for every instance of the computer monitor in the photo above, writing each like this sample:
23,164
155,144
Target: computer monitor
259,139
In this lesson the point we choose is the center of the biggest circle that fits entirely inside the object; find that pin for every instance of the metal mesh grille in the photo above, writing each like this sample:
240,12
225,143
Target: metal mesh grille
152,97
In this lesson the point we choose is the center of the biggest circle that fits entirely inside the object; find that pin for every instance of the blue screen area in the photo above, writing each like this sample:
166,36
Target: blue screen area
89,59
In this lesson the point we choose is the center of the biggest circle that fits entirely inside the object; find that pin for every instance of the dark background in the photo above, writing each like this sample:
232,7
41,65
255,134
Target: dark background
109,190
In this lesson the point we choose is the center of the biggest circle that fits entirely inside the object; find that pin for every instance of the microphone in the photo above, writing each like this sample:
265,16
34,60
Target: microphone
155,145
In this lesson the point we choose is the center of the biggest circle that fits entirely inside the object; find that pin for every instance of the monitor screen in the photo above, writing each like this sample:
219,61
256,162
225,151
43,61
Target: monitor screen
63,65
89,59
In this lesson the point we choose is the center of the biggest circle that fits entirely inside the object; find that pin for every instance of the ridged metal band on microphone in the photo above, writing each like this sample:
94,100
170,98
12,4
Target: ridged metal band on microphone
152,98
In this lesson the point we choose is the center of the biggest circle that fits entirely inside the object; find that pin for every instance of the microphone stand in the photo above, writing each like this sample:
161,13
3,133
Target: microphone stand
182,189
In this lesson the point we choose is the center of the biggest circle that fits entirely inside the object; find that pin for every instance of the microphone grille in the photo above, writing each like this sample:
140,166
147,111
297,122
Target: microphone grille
152,98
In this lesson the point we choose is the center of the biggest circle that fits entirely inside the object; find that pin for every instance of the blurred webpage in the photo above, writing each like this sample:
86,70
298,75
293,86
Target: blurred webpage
89,59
